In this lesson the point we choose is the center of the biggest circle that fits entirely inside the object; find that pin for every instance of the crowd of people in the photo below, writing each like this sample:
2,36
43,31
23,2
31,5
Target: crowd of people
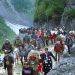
31,47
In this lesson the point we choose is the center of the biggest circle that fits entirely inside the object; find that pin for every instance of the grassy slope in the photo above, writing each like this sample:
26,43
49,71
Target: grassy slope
5,32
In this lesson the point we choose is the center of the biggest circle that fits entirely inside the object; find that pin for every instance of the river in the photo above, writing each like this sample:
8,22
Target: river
15,27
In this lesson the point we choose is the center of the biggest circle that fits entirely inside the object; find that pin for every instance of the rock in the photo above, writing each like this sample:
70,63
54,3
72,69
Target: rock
66,66
69,24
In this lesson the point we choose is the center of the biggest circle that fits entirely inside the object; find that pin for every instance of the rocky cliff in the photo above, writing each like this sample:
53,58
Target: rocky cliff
66,66
65,20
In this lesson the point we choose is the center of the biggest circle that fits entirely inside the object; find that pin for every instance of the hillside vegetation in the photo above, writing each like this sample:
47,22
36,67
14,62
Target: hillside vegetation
5,32
71,13
47,10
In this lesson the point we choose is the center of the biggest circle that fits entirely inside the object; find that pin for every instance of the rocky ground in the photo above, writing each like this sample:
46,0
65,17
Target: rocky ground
66,66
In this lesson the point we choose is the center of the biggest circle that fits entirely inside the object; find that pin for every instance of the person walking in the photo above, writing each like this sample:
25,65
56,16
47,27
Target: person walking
58,48
22,54
47,61
69,43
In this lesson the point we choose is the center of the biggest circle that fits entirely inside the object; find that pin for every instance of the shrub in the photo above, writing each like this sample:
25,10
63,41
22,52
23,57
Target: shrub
71,14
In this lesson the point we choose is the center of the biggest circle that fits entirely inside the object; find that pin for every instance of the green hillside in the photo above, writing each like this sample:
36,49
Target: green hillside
5,32
47,10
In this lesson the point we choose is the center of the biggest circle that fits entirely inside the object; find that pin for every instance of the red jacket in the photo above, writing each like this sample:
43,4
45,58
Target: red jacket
40,34
40,67
52,36
57,48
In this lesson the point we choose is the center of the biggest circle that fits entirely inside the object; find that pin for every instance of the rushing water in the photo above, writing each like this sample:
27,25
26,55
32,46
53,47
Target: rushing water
15,27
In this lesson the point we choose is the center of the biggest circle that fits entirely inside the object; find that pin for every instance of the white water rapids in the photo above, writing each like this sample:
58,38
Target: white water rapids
15,27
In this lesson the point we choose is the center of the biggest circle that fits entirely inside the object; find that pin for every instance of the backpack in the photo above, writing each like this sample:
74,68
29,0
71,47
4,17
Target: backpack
33,42
69,41
26,38
57,48
17,42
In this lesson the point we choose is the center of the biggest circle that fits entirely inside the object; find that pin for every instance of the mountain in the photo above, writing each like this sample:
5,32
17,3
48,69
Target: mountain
17,11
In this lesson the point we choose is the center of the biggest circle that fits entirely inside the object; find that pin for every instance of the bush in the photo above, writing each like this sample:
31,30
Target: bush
50,9
71,14
5,32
